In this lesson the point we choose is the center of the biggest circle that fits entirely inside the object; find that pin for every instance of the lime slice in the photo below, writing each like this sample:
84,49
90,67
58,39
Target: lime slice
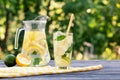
62,62
66,58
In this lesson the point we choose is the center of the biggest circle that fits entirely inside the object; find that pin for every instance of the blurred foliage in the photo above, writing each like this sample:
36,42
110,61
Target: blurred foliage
96,22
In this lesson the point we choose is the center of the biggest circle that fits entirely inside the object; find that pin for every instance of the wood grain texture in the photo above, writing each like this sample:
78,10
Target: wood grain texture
110,71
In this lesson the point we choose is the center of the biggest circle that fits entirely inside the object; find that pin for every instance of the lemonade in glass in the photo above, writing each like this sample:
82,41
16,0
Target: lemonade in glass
63,49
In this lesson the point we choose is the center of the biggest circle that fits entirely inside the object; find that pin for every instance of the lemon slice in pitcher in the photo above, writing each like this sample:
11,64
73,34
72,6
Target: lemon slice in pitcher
26,45
35,47
39,47
31,35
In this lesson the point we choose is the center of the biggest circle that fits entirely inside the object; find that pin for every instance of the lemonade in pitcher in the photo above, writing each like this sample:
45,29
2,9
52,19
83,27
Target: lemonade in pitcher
35,46
34,43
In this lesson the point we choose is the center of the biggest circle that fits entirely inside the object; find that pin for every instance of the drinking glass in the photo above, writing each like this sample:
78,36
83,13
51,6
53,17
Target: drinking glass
62,49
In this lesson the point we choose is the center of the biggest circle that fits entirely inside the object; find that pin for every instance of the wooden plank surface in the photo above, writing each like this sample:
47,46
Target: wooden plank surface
110,71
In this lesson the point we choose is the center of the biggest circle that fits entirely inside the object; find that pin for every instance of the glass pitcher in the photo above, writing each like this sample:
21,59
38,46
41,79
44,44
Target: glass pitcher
34,43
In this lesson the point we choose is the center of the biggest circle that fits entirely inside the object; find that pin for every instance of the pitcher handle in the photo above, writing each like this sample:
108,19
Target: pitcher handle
17,36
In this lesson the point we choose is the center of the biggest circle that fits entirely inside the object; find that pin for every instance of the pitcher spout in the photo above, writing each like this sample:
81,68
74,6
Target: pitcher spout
37,24
42,18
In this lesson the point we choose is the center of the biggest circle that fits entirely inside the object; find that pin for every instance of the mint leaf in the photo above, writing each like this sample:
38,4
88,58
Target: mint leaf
34,53
61,37
36,61
68,51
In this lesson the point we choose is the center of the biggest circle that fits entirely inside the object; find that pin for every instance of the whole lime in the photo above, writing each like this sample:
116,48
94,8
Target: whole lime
10,60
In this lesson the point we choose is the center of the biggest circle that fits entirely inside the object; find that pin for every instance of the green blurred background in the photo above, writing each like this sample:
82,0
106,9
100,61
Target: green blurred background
96,26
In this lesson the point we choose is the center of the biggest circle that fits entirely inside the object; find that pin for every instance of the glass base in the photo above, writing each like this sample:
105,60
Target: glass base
63,67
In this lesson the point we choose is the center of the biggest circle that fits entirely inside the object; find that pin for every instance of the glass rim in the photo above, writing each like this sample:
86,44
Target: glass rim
70,33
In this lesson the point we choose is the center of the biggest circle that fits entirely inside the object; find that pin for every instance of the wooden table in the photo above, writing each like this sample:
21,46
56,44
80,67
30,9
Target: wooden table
110,71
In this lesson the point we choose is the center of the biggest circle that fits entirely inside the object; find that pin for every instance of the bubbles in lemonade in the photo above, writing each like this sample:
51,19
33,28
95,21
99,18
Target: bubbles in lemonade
35,45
